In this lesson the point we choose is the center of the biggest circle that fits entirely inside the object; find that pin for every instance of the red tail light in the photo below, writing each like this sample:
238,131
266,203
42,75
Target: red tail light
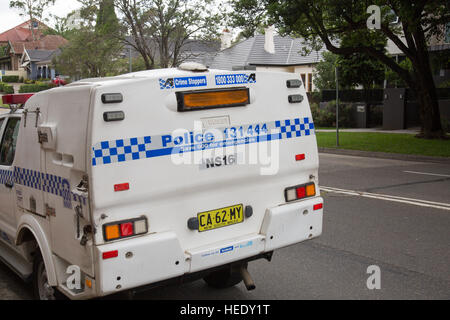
126,229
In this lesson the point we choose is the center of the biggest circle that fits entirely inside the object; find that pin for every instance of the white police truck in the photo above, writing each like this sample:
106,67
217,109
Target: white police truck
125,183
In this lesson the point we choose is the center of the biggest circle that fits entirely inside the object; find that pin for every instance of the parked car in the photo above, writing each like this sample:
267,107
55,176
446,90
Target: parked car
59,82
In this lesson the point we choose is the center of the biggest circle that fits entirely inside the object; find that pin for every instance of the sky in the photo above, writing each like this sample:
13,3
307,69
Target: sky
10,18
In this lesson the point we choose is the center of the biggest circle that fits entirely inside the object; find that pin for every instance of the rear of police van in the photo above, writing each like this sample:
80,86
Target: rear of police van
197,170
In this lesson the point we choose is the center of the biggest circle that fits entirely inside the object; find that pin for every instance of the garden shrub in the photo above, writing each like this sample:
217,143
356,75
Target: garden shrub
10,79
30,88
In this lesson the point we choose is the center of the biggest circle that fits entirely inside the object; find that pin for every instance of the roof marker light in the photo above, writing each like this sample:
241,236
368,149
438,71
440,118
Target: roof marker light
114,116
296,98
112,98
294,83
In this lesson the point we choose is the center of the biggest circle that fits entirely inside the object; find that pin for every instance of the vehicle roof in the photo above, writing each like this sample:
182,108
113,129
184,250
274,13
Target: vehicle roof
147,74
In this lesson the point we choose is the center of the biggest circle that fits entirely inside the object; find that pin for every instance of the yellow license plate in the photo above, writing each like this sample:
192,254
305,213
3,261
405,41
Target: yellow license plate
220,218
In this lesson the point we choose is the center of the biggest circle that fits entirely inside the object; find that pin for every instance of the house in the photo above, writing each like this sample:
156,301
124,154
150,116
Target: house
38,63
202,51
27,31
13,43
269,52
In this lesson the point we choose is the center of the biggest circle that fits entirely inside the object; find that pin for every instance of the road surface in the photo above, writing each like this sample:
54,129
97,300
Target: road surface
386,213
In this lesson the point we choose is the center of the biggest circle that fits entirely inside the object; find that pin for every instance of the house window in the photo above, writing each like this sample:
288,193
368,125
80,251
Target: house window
304,79
310,83
447,33
34,24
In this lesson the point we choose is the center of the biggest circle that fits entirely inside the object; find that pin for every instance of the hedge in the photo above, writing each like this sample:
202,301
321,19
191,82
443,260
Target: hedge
10,79
30,88
6,88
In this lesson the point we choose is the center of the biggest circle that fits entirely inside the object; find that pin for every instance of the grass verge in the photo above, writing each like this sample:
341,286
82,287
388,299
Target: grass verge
385,142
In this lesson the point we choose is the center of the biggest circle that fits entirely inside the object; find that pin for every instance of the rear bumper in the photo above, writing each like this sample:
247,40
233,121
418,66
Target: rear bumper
159,257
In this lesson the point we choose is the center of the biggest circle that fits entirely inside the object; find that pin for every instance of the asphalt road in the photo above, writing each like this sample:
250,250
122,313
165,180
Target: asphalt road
408,239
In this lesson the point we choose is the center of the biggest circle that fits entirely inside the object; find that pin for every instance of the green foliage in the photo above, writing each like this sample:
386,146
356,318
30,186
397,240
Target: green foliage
10,79
446,125
6,88
342,26
107,22
325,75
38,86
354,69
394,79
385,142
3,51
92,51
360,68
88,54
248,15
326,116
445,84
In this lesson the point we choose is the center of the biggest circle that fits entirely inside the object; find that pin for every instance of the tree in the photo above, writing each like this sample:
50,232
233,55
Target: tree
93,51
250,15
358,68
420,21
325,75
107,22
164,27
34,10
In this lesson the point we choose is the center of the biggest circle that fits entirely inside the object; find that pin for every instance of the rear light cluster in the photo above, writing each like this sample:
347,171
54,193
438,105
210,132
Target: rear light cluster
125,229
300,192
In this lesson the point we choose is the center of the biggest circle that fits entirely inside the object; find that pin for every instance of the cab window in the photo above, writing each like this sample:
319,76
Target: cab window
9,140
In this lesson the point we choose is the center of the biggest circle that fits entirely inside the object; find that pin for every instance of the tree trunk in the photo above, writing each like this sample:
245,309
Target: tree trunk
429,109
426,91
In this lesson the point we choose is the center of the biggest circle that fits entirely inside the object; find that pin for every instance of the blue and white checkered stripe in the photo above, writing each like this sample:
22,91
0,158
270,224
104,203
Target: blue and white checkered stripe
166,84
295,128
251,78
41,181
123,150
6,176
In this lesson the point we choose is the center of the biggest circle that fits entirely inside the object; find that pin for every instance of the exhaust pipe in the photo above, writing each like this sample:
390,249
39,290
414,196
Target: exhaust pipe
248,281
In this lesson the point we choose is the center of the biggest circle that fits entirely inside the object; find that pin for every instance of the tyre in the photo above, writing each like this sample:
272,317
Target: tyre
224,278
42,289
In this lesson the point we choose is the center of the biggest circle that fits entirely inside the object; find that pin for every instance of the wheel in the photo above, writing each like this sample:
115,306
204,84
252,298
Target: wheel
42,289
224,278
